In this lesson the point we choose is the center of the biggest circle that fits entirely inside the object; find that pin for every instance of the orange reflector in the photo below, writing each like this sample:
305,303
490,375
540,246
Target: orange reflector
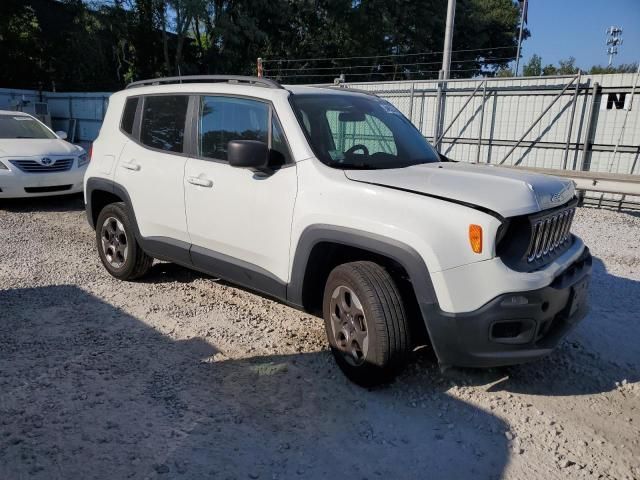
475,238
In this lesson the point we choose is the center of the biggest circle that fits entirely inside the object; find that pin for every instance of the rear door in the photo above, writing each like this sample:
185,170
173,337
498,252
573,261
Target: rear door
151,168
239,220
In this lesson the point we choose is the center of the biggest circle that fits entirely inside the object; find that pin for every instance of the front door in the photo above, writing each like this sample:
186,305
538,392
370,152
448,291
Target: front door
239,221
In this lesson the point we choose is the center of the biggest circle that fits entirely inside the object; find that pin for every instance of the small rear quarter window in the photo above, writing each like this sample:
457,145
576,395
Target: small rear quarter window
128,115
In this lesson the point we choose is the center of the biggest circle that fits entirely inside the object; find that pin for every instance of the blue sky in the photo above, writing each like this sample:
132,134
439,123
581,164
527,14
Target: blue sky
563,28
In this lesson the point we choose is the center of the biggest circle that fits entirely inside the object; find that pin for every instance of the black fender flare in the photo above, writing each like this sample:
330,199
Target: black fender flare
403,254
109,186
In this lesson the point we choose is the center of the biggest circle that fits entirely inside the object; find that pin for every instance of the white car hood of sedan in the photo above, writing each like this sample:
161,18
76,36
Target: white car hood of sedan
36,147
506,191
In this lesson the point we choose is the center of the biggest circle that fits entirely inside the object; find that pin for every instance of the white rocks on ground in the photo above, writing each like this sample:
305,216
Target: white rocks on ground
181,376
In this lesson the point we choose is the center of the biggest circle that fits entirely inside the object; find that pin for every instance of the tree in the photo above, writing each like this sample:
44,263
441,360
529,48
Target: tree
534,67
567,66
622,68
104,44
504,72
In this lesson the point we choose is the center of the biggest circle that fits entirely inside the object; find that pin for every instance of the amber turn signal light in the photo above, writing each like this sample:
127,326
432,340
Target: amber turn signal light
475,238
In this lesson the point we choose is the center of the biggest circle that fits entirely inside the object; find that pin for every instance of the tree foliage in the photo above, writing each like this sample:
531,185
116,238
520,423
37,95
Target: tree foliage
104,44
567,66
533,68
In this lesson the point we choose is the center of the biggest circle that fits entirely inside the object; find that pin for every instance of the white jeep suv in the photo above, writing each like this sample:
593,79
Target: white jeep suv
331,201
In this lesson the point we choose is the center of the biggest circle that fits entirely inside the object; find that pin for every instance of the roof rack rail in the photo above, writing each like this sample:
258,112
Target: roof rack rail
238,79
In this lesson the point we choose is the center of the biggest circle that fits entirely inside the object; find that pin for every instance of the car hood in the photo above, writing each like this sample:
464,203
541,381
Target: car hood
35,147
506,191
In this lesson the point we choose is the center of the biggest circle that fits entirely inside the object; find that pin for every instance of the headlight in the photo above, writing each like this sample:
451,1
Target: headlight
83,160
3,166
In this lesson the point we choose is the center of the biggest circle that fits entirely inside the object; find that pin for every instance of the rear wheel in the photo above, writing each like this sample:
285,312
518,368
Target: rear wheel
117,246
366,322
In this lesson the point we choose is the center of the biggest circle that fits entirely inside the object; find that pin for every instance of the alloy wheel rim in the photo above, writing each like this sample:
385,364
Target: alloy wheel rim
115,245
349,325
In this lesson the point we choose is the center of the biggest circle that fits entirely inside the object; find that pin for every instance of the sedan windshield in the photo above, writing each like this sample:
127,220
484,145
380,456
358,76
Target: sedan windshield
19,126
360,132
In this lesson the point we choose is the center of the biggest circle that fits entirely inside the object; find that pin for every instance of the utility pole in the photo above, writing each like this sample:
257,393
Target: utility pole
448,39
614,38
523,20
260,68
444,73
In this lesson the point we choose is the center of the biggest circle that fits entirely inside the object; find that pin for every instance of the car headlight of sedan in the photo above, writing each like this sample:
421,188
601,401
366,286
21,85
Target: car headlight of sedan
83,160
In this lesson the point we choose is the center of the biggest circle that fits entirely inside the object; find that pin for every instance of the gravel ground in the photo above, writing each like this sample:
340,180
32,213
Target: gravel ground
181,376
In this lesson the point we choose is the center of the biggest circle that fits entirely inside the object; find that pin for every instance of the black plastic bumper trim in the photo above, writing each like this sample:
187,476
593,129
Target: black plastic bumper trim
465,339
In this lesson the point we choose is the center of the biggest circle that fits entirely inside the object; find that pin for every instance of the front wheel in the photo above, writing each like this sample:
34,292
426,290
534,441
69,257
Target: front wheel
366,323
117,246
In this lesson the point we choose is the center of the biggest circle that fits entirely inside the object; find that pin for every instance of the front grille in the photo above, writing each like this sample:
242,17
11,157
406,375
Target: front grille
550,234
31,166
530,242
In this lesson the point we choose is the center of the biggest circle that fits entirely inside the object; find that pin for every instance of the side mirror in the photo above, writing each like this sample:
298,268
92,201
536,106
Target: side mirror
62,134
251,154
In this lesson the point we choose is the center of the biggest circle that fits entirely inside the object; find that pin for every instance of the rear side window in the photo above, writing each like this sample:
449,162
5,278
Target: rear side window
223,119
129,115
163,122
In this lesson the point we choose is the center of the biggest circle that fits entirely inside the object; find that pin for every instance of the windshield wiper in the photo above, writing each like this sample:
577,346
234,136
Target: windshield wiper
19,136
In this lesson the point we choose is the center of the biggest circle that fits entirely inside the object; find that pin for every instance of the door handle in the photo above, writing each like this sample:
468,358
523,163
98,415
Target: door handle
131,166
201,182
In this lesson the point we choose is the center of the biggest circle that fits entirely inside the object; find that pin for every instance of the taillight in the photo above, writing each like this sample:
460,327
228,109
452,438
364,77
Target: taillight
90,151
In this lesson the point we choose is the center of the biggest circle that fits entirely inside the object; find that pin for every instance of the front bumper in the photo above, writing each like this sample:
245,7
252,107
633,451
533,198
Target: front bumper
15,184
509,329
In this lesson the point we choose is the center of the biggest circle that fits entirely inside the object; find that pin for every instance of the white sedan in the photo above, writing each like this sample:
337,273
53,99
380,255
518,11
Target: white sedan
35,161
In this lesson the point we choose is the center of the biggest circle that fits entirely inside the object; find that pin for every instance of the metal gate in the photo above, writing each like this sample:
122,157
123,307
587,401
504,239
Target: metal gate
579,123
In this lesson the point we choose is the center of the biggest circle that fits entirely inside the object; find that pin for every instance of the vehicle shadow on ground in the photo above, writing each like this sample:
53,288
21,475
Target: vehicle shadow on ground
88,391
602,352
167,272
577,357
61,203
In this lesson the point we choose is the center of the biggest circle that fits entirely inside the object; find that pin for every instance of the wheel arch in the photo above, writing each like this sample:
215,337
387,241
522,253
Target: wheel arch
99,193
323,247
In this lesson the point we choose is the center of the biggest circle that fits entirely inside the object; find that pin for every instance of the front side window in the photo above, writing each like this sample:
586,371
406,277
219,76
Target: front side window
279,154
21,126
223,119
357,131
163,122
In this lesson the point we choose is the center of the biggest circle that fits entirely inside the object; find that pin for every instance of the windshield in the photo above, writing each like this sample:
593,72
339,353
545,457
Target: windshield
18,126
366,132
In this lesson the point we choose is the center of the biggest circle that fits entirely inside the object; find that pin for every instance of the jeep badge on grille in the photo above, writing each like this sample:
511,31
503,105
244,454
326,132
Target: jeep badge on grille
563,195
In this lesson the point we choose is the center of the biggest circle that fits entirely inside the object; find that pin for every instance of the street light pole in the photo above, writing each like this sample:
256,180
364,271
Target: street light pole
444,73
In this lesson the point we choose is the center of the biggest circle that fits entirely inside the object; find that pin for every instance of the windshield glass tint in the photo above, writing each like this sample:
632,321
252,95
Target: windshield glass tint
17,126
353,131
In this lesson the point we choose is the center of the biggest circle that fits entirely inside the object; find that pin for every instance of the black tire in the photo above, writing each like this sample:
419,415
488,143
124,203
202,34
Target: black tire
135,263
385,321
